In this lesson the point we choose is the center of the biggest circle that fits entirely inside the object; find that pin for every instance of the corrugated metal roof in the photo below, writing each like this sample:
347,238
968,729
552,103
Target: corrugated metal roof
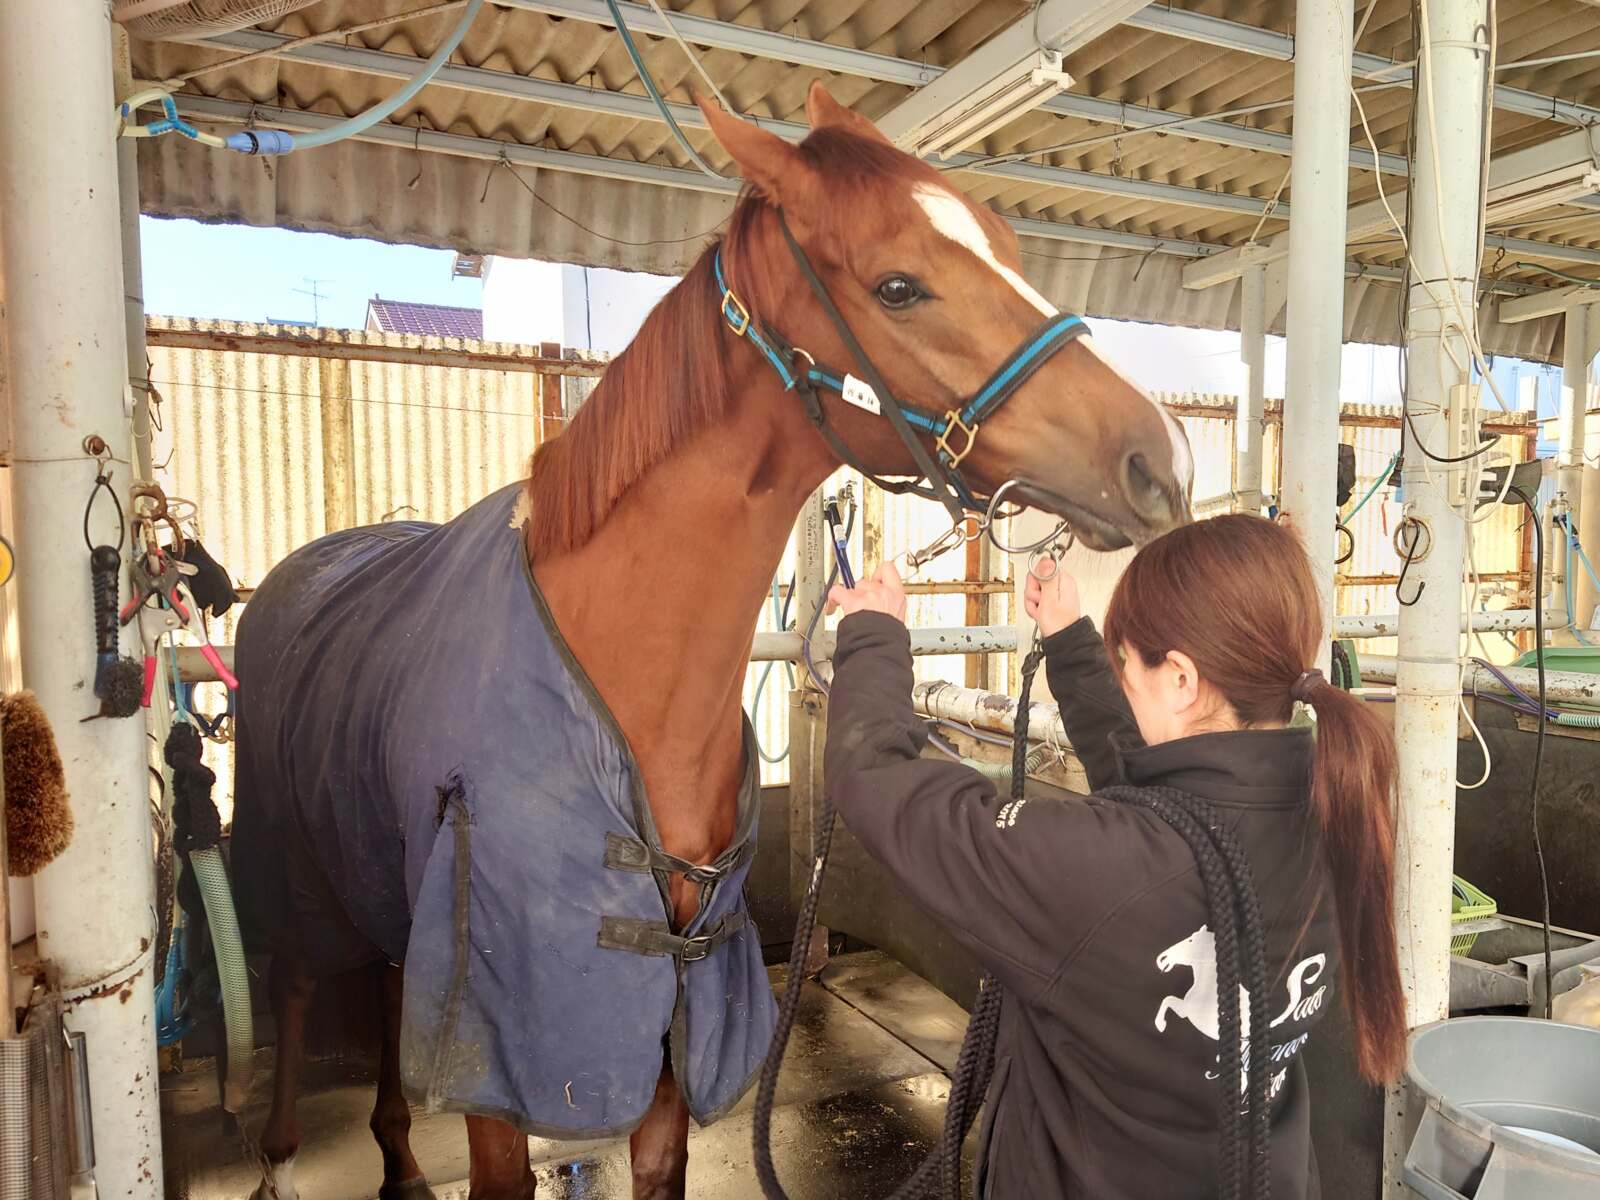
407,194
425,320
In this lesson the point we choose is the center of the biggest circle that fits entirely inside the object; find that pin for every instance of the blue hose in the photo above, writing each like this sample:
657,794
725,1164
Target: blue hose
650,86
278,141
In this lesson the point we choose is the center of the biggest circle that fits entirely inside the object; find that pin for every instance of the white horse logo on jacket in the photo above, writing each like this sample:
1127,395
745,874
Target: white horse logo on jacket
1198,1005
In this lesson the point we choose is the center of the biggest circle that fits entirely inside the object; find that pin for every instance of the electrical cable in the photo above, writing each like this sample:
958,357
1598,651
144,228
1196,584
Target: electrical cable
655,94
688,52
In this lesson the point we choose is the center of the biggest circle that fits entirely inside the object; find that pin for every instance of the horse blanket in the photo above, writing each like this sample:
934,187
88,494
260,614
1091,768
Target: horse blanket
424,773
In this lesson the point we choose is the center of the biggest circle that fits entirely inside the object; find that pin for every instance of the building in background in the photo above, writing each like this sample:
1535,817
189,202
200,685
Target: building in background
424,320
584,308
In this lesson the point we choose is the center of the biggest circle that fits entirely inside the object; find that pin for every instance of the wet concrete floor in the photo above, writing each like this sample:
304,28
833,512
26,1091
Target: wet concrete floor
860,1103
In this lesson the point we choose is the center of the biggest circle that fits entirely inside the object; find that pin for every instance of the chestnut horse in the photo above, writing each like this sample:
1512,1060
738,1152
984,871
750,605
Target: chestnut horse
656,521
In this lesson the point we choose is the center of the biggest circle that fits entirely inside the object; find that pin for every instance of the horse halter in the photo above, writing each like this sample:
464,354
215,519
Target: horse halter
954,435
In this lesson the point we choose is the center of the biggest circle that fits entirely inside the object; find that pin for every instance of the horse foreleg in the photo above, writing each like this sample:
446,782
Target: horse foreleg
292,988
391,1115
498,1168
660,1145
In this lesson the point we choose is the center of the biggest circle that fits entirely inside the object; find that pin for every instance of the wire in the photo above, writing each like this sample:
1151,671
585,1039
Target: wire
1545,62
694,59
1559,274
605,237
284,48
650,86
1538,751
1156,127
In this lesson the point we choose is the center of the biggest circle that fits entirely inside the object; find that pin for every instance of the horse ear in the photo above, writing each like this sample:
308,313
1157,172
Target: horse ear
767,162
823,111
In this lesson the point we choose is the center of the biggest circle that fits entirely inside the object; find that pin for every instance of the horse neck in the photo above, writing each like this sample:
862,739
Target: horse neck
661,603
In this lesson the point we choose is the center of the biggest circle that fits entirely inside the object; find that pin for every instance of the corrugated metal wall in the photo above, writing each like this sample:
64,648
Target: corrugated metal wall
243,438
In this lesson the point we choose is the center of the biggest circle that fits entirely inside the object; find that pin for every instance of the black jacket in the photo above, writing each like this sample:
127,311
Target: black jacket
1093,917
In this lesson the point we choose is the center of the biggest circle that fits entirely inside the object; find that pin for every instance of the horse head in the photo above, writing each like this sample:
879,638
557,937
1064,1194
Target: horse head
1187,952
930,285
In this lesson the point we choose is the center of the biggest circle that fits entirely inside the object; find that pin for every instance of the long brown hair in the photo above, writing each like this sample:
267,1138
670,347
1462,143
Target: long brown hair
1236,594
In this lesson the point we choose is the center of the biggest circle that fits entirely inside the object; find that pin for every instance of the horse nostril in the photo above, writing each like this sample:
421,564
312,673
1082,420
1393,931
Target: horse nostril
1147,495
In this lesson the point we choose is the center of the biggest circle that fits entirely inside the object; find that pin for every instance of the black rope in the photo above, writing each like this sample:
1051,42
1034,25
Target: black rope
1244,1160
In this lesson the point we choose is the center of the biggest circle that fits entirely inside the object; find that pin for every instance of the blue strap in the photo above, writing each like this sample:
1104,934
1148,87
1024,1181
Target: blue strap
1027,359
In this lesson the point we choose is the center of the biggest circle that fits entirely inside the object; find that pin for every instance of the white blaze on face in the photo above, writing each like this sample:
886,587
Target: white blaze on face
951,217
1182,459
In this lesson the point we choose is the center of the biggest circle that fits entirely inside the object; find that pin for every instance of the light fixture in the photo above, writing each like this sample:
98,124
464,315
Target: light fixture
1534,195
945,121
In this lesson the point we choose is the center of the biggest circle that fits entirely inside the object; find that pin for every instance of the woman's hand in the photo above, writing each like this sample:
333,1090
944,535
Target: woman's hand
883,593
1053,604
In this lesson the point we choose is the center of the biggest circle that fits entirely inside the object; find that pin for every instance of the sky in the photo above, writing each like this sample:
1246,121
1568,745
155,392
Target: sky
242,273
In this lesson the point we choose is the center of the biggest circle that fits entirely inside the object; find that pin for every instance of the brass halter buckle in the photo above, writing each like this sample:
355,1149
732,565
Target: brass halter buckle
735,313
952,423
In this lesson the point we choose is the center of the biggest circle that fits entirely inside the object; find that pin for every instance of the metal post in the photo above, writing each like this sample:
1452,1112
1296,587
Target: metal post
1446,239
1319,183
1577,348
807,719
1248,424
62,255
1586,595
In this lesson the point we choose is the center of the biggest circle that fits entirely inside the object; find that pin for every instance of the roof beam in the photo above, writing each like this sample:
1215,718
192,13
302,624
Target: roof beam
642,108
1265,43
1546,304
487,149
865,64
1013,72
1570,155
386,133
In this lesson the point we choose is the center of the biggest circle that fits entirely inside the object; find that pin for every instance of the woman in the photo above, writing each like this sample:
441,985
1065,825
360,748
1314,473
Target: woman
1091,913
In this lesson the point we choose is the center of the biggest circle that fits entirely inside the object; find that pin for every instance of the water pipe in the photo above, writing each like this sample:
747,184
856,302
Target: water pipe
279,141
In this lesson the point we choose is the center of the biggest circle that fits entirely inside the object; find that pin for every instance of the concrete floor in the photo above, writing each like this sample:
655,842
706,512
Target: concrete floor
860,1102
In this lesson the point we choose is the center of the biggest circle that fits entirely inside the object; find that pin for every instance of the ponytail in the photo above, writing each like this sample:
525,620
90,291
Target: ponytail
1352,785
1236,594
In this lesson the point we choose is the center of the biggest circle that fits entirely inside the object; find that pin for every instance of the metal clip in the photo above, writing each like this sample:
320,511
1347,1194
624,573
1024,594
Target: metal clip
953,423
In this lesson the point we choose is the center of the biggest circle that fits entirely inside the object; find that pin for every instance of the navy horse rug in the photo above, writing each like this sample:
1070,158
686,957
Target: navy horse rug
426,775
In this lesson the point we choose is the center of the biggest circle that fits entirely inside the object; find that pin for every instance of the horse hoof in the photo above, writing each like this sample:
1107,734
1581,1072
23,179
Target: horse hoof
411,1189
280,1186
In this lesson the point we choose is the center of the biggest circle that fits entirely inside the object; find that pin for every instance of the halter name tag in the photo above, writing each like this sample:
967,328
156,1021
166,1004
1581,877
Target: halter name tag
861,395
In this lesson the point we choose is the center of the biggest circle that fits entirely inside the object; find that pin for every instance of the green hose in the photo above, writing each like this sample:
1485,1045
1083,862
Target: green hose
1038,758
212,877
1578,720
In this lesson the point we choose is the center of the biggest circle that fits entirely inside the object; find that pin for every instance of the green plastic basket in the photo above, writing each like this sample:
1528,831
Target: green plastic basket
1584,660
1467,903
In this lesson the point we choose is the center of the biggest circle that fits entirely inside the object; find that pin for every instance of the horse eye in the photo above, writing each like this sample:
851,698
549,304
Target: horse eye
898,292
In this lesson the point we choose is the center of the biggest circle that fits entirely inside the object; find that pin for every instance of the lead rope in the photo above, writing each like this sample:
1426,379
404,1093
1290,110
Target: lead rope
1243,1159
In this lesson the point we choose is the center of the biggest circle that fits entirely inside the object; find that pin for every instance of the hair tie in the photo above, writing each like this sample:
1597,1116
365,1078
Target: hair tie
1302,687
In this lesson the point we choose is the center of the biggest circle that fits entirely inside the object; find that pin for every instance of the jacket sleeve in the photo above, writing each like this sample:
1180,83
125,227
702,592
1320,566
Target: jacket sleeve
1009,880
1093,707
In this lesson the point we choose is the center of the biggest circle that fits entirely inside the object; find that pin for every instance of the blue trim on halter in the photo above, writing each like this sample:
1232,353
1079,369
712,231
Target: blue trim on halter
999,386
1044,342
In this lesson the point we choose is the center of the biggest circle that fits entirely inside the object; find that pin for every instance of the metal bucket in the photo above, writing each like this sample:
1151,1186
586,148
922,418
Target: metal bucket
1510,1110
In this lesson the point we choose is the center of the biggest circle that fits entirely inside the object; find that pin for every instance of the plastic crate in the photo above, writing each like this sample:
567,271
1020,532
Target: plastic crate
1467,903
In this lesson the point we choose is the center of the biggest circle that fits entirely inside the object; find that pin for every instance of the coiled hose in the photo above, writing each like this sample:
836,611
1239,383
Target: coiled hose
197,834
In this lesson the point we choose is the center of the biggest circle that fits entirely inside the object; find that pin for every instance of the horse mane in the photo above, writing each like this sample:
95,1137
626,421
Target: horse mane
672,380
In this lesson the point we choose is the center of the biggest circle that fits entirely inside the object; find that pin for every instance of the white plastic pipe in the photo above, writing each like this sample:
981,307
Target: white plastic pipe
1319,183
1445,239
1248,427
1577,347
61,253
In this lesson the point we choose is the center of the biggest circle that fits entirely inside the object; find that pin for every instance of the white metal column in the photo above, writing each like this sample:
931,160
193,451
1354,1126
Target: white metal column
1577,349
1445,240
1248,426
59,227
1319,191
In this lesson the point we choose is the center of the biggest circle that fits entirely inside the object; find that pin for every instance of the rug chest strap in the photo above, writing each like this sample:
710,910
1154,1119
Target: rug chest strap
656,939
630,854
